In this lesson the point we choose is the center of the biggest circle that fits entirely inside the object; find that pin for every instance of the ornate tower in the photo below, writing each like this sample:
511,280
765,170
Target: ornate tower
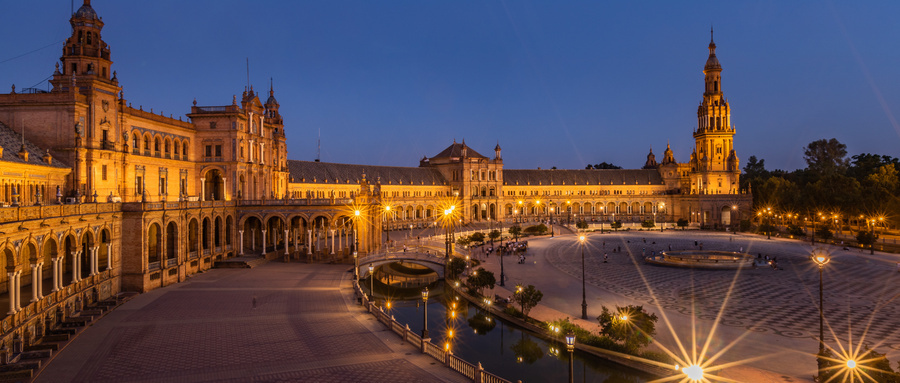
714,164
85,55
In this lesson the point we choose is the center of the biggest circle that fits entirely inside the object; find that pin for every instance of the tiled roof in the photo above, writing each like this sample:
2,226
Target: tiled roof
319,172
582,177
456,149
11,141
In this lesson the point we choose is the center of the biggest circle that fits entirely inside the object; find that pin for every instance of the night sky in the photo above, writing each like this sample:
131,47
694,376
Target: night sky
556,83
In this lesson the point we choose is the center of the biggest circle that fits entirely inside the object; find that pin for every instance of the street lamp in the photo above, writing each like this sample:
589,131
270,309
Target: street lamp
769,223
550,216
371,281
583,294
502,273
356,266
356,215
693,372
570,345
425,320
569,212
387,210
821,259
662,208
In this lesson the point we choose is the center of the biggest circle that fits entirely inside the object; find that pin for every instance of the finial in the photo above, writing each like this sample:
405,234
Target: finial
195,102
271,87
711,34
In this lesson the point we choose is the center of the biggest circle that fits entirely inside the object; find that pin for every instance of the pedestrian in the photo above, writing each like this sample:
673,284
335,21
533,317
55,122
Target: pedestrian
606,258
670,247
742,249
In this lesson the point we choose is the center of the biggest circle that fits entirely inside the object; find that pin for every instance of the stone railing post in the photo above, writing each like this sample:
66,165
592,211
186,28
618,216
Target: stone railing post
479,373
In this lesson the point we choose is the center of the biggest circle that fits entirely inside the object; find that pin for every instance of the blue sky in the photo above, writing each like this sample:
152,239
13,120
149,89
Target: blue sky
556,83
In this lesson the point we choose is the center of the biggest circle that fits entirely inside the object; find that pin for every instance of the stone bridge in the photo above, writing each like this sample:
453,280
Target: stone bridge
428,258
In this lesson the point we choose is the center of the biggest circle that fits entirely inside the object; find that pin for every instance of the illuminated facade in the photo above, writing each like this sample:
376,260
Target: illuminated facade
100,197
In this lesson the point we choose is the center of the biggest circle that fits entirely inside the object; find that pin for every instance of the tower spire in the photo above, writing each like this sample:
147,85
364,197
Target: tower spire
711,40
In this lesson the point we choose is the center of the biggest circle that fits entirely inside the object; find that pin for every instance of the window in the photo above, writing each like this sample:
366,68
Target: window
212,124
146,143
166,146
156,145
138,185
105,135
74,68
184,150
176,148
103,171
218,150
162,185
90,39
134,142
209,150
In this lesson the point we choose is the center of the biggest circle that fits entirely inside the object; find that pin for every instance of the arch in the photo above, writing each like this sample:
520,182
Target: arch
252,227
176,145
70,247
171,241
205,235
192,235
135,142
275,233
217,232
156,145
726,215
184,150
147,138
214,185
153,243
167,147
103,253
229,230
87,243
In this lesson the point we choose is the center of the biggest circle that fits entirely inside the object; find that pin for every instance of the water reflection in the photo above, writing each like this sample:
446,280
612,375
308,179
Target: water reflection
476,336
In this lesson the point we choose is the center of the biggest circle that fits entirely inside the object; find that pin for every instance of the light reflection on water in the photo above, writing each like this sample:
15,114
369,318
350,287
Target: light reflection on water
502,349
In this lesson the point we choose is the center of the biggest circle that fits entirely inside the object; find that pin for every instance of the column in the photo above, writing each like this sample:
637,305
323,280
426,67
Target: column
75,263
203,189
40,280
241,251
332,241
18,290
34,283
264,242
92,260
286,240
55,267
296,240
223,189
341,239
109,256
309,243
11,286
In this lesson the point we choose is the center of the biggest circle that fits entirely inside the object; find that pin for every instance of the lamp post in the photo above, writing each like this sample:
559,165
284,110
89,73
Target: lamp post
661,209
502,274
570,345
583,293
569,212
371,282
425,319
356,215
821,258
387,224
550,216
768,223
356,266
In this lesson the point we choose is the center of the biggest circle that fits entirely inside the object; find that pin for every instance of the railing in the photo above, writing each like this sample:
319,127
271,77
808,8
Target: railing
192,254
25,213
476,373
153,266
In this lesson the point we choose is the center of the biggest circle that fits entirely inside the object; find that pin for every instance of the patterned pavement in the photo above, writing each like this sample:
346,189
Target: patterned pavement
858,290
273,323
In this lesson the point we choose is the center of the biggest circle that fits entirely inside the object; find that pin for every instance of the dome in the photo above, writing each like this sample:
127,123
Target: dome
86,12
271,100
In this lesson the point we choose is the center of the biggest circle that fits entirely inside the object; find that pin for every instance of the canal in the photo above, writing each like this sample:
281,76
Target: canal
500,347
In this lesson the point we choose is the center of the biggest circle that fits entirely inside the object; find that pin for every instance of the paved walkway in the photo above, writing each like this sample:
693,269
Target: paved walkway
276,322
770,317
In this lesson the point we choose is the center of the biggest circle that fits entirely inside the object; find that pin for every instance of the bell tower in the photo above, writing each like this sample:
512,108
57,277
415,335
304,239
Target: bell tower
85,55
714,164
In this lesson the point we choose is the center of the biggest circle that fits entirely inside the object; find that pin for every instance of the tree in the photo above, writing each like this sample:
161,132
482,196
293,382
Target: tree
528,298
456,266
682,223
630,325
477,237
826,157
481,323
824,233
616,225
480,279
867,238
463,241
603,165
581,224
515,230
494,234
755,173
870,363
647,224
536,229
527,350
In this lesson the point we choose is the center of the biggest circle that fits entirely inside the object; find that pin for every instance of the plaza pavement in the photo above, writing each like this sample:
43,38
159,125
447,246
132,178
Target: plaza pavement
305,326
770,320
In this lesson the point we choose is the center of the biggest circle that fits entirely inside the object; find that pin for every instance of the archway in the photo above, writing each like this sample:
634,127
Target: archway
87,243
274,234
50,252
229,231
217,234
29,257
153,243
252,234
171,241
726,215
192,236
103,254
213,186
205,236
68,260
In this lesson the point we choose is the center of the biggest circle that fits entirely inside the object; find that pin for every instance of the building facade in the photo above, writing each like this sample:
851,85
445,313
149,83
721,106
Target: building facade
99,197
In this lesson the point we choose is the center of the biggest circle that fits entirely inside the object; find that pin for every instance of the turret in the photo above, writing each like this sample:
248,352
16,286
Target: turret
84,54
